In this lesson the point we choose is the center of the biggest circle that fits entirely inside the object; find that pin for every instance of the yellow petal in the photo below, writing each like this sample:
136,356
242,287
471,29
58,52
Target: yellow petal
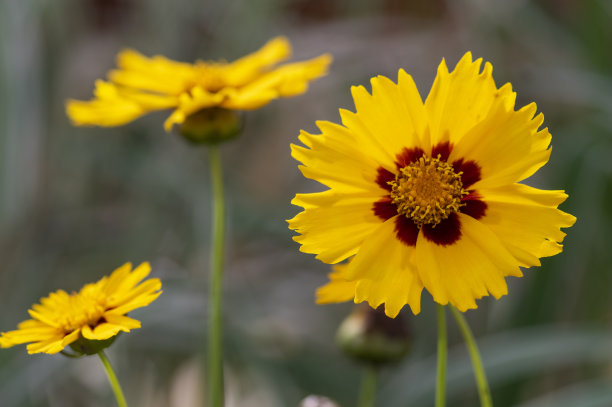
43,315
59,298
333,230
189,103
102,331
51,346
395,290
157,74
526,220
105,331
148,287
103,113
124,279
338,289
25,335
140,298
121,320
285,81
335,159
467,269
245,69
71,337
114,106
385,272
393,115
516,151
461,99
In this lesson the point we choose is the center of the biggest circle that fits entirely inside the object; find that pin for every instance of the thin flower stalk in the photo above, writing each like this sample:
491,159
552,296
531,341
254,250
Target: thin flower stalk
112,378
215,325
484,393
442,353
367,392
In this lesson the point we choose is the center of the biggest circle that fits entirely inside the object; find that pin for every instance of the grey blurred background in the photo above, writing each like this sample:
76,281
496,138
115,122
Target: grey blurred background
75,203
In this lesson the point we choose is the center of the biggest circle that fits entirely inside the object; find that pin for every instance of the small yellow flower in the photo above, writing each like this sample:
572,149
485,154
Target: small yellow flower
142,85
428,194
96,313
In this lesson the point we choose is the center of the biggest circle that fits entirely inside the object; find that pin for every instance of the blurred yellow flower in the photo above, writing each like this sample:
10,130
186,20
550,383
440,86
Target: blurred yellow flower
142,85
97,312
427,195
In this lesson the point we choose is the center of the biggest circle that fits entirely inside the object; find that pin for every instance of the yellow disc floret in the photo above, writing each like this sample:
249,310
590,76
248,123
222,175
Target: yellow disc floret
427,191
84,308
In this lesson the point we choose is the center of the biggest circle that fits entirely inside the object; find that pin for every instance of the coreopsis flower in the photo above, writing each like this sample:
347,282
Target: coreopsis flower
428,195
89,319
141,85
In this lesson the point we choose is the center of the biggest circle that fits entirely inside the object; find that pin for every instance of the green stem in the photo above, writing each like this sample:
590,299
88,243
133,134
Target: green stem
215,346
481,378
112,378
442,351
367,393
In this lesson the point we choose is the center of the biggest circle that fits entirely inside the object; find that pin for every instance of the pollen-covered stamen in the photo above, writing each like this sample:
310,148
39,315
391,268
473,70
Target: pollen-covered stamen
427,190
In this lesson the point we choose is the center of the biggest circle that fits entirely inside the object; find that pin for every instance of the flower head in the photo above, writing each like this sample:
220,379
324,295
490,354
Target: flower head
141,85
96,313
427,195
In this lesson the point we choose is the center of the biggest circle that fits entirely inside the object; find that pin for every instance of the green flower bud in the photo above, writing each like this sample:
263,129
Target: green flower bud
369,336
211,126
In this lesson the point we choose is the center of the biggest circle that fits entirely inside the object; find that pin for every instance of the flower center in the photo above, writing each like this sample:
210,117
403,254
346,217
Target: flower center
210,76
84,308
427,191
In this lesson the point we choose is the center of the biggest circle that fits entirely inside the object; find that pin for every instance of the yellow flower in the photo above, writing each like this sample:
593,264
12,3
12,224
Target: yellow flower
142,85
97,312
427,195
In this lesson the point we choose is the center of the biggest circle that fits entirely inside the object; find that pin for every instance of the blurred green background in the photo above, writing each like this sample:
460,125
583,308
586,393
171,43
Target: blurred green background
75,203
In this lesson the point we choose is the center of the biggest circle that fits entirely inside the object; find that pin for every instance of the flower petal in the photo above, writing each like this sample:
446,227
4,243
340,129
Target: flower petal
333,227
245,69
71,337
467,270
385,273
31,332
517,151
148,287
157,74
190,102
142,296
51,346
121,320
336,148
102,331
376,123
103,112
121,282
114,106
285,81
527,221
338,289
459,100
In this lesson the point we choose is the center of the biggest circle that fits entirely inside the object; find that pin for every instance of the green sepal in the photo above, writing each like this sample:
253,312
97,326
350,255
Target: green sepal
211,126
83,346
